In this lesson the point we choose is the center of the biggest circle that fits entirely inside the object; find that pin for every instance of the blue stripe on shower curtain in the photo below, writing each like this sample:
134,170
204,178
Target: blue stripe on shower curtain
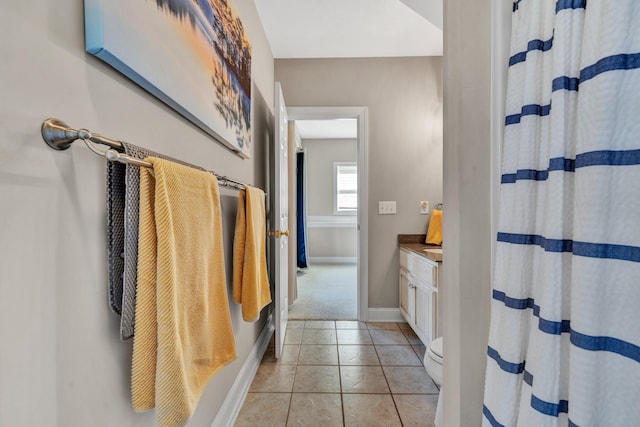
531,46
512,368
548,408
516,4
528,110
300,212
565,83
610,63
570,4
586,249
560,5
613,345
594,158
597,343
545,325
490,418
564,342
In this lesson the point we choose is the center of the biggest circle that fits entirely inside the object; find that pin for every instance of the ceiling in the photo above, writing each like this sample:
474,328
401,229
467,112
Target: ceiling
349,29
352,28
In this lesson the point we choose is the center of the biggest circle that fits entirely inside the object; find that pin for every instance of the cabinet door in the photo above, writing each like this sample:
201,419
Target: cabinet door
405,288
425,312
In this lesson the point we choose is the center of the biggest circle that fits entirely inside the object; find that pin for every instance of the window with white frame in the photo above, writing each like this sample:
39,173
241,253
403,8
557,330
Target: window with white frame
345,188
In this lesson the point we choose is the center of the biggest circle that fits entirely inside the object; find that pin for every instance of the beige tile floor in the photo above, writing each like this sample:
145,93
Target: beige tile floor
342,373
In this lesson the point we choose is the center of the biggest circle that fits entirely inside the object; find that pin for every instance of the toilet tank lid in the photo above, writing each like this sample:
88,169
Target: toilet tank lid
436,346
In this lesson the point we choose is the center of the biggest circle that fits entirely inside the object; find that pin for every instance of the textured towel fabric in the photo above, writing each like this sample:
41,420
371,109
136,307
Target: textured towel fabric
115,233
123,188
131,217
250,278
434,231
130,239
183,326
564,342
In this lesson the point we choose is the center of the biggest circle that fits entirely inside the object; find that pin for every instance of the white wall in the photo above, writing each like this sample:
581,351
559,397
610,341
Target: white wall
404,97
476,36
324,240
62,363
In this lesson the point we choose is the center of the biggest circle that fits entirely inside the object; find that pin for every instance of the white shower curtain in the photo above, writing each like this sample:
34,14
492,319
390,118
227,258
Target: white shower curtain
564,344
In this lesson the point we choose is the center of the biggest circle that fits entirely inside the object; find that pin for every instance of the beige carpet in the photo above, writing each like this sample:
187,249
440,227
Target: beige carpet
326,291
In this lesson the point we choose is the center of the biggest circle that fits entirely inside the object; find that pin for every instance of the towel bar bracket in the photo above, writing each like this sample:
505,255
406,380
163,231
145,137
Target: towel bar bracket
59,136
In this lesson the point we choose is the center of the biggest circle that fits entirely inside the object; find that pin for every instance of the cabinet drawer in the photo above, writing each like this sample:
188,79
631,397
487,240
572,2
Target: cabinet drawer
422,269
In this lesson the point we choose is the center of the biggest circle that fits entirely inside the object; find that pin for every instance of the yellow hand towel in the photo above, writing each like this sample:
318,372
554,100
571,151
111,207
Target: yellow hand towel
183,332
250,277
434,232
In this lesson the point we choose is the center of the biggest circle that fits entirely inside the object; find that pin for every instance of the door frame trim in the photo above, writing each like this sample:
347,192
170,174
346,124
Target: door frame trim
362,143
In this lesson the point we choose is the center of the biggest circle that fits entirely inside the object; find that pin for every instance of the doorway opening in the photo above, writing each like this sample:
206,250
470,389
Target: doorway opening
328,265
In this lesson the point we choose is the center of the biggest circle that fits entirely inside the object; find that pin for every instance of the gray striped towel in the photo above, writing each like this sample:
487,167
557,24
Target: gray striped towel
123,187
131,212
115,233
123,200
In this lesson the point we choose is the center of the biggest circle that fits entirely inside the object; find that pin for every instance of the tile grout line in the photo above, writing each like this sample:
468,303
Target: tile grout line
336,347
344,418
293,384
390,392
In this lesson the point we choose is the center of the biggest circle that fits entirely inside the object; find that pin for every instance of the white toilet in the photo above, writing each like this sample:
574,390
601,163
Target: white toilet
433,361
433,365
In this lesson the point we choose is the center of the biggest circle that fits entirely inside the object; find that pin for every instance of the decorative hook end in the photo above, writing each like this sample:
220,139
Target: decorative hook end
112,155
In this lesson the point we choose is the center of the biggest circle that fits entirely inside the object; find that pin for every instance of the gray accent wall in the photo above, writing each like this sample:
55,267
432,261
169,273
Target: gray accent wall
62,362
404,98
326,241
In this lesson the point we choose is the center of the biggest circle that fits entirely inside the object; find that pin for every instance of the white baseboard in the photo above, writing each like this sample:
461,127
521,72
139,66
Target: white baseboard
385,315
232,404
333,259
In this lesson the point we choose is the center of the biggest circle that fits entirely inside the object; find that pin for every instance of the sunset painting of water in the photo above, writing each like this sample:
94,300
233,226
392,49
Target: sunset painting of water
194,55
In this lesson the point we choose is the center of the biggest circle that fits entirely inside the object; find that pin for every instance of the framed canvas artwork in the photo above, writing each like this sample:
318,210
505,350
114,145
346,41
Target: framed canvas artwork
194,55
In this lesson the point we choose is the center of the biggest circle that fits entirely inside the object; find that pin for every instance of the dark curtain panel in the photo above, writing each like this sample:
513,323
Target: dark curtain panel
300,214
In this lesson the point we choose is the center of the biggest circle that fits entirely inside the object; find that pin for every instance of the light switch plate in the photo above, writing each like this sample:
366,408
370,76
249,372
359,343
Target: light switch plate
424,207
387,208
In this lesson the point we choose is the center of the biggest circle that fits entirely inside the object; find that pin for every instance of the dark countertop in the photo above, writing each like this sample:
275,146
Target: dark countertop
415,243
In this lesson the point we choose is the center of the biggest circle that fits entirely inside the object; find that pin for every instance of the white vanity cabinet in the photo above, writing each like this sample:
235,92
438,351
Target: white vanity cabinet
419,279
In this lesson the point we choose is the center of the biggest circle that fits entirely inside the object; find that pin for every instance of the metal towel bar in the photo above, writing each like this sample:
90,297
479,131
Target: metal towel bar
59,136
